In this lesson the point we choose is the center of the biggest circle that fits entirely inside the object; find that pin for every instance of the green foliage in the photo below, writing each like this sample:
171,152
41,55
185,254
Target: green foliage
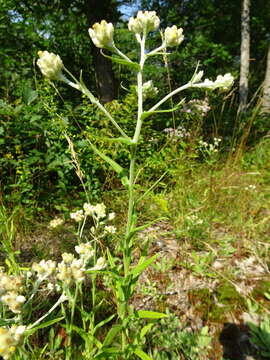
168,339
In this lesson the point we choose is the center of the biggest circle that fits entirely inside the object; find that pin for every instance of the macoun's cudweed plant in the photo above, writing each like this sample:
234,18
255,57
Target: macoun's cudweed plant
67,276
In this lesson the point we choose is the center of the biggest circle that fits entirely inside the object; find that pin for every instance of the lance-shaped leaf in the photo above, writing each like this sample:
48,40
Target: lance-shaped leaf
142,265
118,60
116,167
142,355
146,114
145,314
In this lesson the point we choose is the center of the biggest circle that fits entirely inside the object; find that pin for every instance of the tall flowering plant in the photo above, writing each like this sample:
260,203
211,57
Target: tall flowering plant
118,343
124,279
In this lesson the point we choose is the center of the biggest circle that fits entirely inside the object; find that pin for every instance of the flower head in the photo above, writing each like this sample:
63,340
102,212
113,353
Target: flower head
9,339
77,215
223,82
102,34
50,65
144,22
173,36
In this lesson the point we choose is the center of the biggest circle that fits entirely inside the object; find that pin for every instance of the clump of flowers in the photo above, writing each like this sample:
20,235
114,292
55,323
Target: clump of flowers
55,223
51,65
78,215
70,269
173,36
210,148
177,134
144,22
11,289
102,34
10,338
149,90
197,107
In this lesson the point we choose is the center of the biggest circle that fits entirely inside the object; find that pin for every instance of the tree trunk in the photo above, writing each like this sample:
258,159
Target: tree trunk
266,87
95,12
245,54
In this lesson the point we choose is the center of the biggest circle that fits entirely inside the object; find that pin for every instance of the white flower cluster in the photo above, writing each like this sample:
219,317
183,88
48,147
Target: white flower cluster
51,65
193,220
102,34
223,82
11,287
144,22
9,339
197,107
55,223
70,269
97,212
208,147
176,134
173,36
149,90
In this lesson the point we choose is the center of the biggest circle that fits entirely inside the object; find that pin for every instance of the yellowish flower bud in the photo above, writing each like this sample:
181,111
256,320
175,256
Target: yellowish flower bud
50,65
145,21
102,34
173,36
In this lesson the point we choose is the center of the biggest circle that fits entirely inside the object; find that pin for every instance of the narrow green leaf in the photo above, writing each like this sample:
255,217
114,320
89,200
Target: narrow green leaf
146,114
142,355
44,325
111,334
122,140
145,314
145,330
142,266
100,324
110,258
118,60
106,158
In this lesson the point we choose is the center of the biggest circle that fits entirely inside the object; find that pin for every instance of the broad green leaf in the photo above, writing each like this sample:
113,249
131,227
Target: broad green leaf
118,60
145,314
142,355
111,334
143,265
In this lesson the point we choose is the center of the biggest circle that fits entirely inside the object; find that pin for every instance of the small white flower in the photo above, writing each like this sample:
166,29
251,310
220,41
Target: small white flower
51,65
173,36
100,210
68,258
101,264
77,215
102,34
55,223
88,209
110,229
144,22
111,216
149,90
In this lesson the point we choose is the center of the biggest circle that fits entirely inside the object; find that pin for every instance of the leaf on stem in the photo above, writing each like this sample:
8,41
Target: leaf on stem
146,114
142,265
142,355
145,314
116,167
122,61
